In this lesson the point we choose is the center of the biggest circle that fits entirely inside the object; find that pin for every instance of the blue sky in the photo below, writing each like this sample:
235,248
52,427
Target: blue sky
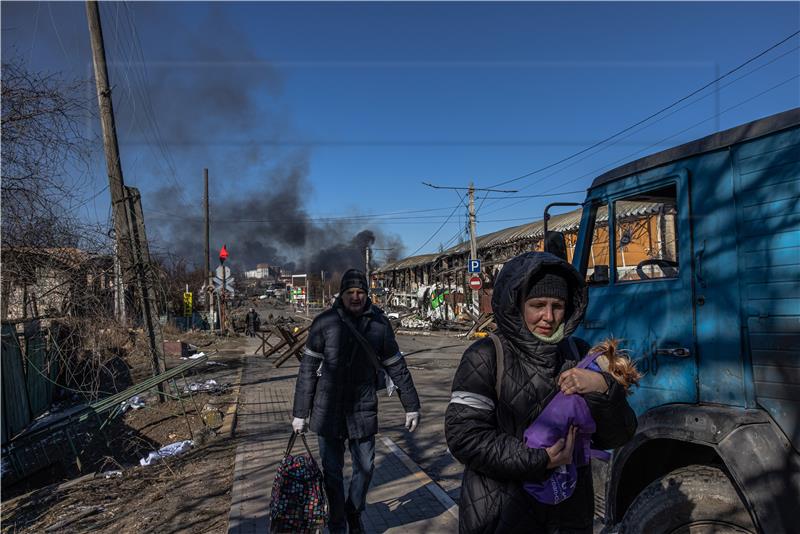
348,107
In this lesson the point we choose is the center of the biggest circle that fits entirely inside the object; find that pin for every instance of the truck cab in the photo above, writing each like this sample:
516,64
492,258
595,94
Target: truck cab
692,257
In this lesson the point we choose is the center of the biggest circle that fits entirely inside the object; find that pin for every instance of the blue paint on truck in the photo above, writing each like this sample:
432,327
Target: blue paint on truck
712,318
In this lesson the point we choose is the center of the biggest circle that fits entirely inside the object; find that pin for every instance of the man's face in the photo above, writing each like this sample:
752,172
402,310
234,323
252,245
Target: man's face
354,300
543,315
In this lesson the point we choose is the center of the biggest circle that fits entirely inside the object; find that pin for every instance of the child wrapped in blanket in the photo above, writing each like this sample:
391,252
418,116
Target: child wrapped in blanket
566,411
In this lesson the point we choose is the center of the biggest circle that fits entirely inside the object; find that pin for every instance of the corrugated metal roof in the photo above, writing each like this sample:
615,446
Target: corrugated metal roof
406,263
564,222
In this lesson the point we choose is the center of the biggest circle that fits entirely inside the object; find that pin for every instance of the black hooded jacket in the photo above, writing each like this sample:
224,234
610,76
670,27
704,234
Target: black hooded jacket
486,433
336,383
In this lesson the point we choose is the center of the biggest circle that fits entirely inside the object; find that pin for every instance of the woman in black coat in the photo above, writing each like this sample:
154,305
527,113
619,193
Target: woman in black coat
538,301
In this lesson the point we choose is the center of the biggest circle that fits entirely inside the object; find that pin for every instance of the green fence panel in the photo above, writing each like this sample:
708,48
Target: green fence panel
16,409
37,373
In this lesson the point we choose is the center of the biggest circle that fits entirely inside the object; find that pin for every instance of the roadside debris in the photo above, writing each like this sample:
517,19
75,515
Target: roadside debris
115,473
415,322
135,403
212,416
194,356
173,449
210,386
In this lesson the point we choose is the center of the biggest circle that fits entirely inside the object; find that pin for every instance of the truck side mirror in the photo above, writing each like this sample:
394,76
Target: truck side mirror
555,244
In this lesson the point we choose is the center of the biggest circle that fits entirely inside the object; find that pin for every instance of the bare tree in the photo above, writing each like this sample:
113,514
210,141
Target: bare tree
45,154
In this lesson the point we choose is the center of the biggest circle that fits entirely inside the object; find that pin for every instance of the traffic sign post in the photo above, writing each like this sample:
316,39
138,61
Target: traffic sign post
475,283
187,304
474,266
223,255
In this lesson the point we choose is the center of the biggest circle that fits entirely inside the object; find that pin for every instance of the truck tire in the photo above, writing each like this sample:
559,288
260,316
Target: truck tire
697,499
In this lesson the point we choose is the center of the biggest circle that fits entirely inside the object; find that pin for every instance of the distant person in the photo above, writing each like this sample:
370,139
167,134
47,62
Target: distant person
253,323
538,301
348,349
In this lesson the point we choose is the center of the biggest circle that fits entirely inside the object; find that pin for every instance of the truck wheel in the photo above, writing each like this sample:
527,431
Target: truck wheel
697,499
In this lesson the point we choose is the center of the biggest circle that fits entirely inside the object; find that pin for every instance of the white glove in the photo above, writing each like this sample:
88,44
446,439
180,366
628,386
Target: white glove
299,425
412,420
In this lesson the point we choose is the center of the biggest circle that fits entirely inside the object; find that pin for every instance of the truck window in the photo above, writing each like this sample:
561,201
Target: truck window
597,269
645,227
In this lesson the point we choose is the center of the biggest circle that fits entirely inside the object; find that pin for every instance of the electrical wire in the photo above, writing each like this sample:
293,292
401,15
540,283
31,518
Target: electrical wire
628,157
436,232
653,115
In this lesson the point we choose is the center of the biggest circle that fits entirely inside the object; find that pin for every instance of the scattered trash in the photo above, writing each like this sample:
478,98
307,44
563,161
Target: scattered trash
211,362
193,356
211,416
115,473
414,322
134,403
209,385
173,449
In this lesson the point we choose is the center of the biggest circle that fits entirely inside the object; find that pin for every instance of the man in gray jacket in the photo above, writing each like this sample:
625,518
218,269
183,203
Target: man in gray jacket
350,348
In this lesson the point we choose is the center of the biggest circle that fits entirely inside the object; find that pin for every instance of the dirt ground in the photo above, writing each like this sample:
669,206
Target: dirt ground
186,493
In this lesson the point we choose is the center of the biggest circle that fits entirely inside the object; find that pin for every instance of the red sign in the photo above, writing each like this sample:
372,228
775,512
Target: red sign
475,283
223,254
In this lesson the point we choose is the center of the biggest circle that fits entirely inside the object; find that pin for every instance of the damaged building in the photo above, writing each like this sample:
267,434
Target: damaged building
55,282
436,286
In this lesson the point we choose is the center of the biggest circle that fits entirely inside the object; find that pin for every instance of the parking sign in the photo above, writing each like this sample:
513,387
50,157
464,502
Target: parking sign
474,266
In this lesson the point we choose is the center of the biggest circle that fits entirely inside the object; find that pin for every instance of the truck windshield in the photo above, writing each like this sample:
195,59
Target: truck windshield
646,236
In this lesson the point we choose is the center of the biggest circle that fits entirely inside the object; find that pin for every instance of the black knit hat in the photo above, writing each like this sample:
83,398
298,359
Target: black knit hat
548,283
353,278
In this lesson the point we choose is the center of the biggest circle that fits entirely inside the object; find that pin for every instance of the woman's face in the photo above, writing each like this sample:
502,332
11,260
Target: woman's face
543,315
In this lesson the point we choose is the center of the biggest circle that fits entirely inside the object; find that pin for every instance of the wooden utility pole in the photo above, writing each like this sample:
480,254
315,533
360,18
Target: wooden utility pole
128,222
209,275
473,244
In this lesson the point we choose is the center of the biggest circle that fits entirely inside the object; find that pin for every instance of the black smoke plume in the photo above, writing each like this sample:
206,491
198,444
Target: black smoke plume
270,226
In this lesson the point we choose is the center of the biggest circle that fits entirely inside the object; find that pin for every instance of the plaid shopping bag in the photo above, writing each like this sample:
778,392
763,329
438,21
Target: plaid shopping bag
298,502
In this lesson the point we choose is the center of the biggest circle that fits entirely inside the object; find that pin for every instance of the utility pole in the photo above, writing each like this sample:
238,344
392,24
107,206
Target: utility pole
128,223
473,245
209,276
120,313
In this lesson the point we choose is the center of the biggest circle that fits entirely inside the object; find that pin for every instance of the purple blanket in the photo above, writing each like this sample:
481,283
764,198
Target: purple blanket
552,424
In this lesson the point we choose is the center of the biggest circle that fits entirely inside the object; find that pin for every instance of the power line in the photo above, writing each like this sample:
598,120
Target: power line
664,140
354,218
670,106
467,188
536,196
437,231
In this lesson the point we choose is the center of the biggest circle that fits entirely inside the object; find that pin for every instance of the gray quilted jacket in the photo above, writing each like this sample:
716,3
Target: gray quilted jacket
486,433
336,384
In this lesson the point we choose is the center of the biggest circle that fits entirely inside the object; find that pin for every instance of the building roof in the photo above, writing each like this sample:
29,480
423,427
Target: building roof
407,263
564,222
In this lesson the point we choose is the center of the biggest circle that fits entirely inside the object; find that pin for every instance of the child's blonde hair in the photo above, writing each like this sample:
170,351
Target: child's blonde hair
616,362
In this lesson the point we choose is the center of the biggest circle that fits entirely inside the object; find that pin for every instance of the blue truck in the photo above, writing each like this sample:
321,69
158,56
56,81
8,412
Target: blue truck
693,259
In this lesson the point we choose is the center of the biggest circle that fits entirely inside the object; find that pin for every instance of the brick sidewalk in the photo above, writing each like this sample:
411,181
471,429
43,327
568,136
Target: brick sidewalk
402,498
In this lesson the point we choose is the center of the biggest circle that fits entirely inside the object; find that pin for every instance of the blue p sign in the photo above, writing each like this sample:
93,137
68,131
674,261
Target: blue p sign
474,266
